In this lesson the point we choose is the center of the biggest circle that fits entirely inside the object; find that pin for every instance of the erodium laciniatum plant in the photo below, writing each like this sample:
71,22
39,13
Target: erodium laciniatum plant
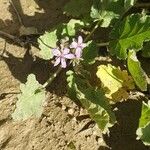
74,47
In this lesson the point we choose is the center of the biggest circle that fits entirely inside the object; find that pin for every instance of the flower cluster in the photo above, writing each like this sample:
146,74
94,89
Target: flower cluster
63,53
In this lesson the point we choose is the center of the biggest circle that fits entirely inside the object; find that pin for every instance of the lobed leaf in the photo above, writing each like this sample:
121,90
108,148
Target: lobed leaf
98,107
94,101
99,11
115,82
105,10
136,70
30,100
129,34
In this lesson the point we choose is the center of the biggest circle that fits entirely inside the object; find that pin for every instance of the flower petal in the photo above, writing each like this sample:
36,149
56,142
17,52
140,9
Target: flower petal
74,44
69,56
78,52
80,40
57,61
66,51
56,52
63,63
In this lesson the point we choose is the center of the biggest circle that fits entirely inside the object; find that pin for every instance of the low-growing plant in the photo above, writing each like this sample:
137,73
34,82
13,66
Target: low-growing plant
73,46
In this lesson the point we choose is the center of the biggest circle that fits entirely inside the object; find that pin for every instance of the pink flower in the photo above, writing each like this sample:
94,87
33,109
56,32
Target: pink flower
61,56
78,46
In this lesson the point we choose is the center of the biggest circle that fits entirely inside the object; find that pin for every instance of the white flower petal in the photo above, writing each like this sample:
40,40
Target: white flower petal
80,40
66,51
56,52
63,63
74,44
57,61
78,52
69,56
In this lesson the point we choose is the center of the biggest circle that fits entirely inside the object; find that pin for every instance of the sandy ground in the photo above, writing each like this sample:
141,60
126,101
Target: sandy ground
63,125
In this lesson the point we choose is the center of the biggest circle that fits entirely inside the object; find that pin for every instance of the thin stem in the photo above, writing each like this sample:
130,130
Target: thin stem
14,38
103,44
93,30
142,5
50,80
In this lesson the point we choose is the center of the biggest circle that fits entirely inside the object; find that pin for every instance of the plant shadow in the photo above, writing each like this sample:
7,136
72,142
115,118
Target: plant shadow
123,134
47,14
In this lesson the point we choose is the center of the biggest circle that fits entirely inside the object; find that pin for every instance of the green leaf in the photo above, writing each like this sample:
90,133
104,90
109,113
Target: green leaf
145,115
71,86
98,107
105,10
77,8
46,42
129,34
30,100
143,131
90,52
72,26
94,101
136,70
146,50
99,12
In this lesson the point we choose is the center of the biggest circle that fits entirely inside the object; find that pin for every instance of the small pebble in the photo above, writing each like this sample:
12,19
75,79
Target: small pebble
100,141
64,107
95,133
71,111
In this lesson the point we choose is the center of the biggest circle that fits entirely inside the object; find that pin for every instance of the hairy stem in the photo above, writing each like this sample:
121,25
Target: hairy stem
50,80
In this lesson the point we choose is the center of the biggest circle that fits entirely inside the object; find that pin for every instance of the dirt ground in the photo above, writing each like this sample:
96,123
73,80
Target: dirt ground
63,125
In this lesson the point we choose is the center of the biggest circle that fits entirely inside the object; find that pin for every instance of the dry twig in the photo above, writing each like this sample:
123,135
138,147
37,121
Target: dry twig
14,38
17,13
